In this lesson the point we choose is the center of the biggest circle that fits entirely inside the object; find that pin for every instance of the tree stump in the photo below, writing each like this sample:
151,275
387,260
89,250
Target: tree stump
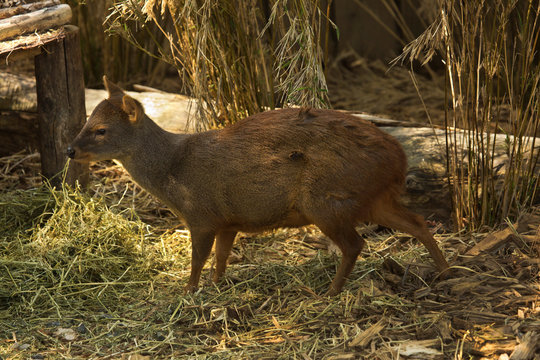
61,107
38,30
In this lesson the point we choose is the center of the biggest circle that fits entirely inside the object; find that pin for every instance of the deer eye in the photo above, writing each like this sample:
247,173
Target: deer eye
101,131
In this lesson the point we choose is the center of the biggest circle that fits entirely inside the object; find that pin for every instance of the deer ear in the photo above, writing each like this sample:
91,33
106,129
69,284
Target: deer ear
133,108
115,91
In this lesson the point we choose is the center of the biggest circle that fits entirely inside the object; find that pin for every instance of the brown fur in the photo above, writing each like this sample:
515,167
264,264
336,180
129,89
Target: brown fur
282,168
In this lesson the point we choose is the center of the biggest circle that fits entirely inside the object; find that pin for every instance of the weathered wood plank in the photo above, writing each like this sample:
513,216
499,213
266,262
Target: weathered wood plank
43,19
25,8
61,108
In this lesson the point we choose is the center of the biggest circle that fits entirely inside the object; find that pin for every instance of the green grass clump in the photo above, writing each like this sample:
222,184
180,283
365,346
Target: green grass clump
65,249
20,210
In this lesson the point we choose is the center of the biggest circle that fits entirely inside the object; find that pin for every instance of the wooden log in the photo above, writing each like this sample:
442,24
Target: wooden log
43,19
61,108
25,8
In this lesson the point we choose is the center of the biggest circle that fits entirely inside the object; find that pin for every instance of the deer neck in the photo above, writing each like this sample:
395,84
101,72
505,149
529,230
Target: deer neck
149,162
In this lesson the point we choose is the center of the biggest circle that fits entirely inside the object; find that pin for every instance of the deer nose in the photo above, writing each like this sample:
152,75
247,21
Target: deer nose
70,152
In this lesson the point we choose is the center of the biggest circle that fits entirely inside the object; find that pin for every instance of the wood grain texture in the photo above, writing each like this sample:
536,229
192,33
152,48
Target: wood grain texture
61,107
43,19
25,8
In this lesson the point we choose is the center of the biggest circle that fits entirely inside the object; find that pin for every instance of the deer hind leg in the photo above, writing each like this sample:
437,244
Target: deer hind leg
390,213
224,243
201,246
350,244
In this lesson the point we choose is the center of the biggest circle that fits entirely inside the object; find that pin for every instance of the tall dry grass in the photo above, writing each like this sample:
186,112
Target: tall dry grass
490,51
236,57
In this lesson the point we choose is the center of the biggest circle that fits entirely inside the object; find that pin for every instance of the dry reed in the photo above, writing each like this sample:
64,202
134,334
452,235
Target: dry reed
492,71
230,57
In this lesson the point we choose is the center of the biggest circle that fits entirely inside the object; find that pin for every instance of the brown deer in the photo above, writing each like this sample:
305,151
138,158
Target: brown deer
281,168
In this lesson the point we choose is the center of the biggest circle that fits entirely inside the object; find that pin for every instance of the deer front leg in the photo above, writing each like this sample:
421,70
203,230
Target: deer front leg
201,245
224,243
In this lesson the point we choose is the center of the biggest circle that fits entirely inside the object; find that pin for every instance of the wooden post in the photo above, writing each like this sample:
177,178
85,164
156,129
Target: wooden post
61,108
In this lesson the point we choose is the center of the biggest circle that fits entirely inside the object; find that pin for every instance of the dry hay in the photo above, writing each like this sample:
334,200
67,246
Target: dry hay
84,277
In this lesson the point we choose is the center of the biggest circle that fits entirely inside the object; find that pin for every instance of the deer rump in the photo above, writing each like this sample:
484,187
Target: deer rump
289,168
